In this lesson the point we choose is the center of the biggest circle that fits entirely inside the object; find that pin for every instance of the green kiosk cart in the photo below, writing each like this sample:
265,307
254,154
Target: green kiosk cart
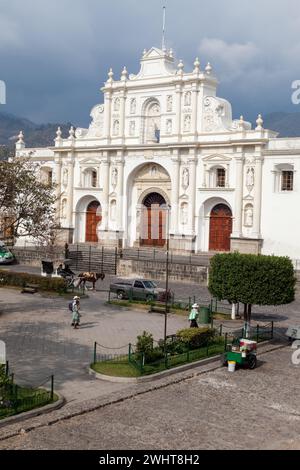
243,354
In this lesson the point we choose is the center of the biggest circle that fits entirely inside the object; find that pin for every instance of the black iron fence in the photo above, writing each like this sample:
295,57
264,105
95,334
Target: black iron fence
15,399
177,354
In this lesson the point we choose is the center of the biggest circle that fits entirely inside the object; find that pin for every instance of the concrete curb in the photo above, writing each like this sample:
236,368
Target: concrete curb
115,398
158,375
35,412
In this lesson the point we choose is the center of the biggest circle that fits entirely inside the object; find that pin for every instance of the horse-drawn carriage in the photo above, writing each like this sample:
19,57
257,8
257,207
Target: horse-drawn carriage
61,269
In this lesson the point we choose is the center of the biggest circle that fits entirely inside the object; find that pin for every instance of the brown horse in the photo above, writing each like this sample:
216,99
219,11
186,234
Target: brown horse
90,277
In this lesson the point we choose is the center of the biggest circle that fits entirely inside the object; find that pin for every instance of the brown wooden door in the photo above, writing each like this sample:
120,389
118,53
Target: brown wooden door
153,230
220,228
92,220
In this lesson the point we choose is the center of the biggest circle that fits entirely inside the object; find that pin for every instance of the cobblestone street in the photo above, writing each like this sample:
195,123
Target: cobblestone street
217,410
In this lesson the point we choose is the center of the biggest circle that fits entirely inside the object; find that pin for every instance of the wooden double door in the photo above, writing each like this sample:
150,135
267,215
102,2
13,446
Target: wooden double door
220,228
92,220
153,221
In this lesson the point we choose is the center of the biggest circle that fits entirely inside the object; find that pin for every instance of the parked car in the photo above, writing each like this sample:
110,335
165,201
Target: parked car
138,289
6,256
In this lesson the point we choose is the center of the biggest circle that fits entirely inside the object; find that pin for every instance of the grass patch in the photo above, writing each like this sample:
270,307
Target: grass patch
122,369
27,399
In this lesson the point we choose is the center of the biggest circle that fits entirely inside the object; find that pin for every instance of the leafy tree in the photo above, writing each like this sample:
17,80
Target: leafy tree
252,280
26,202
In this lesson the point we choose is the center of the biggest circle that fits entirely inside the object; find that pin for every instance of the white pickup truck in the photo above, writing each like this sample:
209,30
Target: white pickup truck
138,289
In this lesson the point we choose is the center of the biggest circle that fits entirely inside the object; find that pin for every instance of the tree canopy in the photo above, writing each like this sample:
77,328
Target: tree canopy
252,279
26,202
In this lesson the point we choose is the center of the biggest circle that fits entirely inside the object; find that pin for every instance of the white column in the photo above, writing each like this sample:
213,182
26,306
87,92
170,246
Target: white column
257,198
178,111
70,190
105,175
194,108
192,193
120,190
175,195
227,176
204,183
122,115
107,117
58,165
237,224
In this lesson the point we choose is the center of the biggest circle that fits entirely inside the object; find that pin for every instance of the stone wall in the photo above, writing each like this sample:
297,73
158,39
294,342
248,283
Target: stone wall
157,270
33,256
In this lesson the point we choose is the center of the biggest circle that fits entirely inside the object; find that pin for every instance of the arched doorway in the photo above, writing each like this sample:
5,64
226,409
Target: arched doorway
92,220
220,228
153,220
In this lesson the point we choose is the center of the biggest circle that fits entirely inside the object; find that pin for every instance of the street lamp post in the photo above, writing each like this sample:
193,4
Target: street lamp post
168,207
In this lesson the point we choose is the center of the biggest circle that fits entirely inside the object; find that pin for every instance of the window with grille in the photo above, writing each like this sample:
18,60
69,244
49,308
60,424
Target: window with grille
221,178
94,179
287,181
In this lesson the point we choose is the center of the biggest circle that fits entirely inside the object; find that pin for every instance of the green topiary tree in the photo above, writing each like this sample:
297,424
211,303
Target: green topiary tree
252,280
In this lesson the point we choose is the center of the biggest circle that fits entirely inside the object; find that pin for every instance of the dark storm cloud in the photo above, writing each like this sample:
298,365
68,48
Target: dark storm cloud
54,56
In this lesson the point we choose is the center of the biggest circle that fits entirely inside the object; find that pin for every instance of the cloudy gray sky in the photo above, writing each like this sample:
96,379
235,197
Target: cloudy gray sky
54,55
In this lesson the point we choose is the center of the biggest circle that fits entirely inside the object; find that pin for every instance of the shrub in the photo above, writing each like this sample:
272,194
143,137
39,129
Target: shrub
10,278
144,343
195,337
155,355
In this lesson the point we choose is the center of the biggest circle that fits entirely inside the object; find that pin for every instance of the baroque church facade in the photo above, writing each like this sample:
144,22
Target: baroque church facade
163,158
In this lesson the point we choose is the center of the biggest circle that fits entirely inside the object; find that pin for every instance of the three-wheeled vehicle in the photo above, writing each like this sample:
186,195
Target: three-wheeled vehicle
242,352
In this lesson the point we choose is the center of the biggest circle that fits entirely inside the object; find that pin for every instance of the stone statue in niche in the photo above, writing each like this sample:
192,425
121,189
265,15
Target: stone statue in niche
184,213
250,177
187,99
169,126
153,171
65,177
187,123
114,177
248,222
132,128
116,129
133,106
169,103
185,178
117,104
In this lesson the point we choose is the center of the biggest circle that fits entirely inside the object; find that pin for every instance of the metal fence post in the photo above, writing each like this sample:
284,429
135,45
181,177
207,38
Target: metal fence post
95,352
257,333
52,388
90,254
221,329
211,306
116,261
6,368
129,352
225,344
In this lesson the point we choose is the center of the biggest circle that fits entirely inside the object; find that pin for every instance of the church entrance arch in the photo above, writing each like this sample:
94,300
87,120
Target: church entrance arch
220,228
93,218
153,220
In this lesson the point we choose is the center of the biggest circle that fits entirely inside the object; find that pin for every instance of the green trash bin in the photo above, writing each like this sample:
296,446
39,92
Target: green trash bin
204,316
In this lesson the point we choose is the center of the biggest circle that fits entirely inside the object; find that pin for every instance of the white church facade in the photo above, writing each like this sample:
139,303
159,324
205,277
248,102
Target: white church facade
163,158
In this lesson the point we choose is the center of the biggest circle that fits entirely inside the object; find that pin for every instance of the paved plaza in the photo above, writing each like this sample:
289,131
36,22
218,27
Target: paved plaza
40,342
217,410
